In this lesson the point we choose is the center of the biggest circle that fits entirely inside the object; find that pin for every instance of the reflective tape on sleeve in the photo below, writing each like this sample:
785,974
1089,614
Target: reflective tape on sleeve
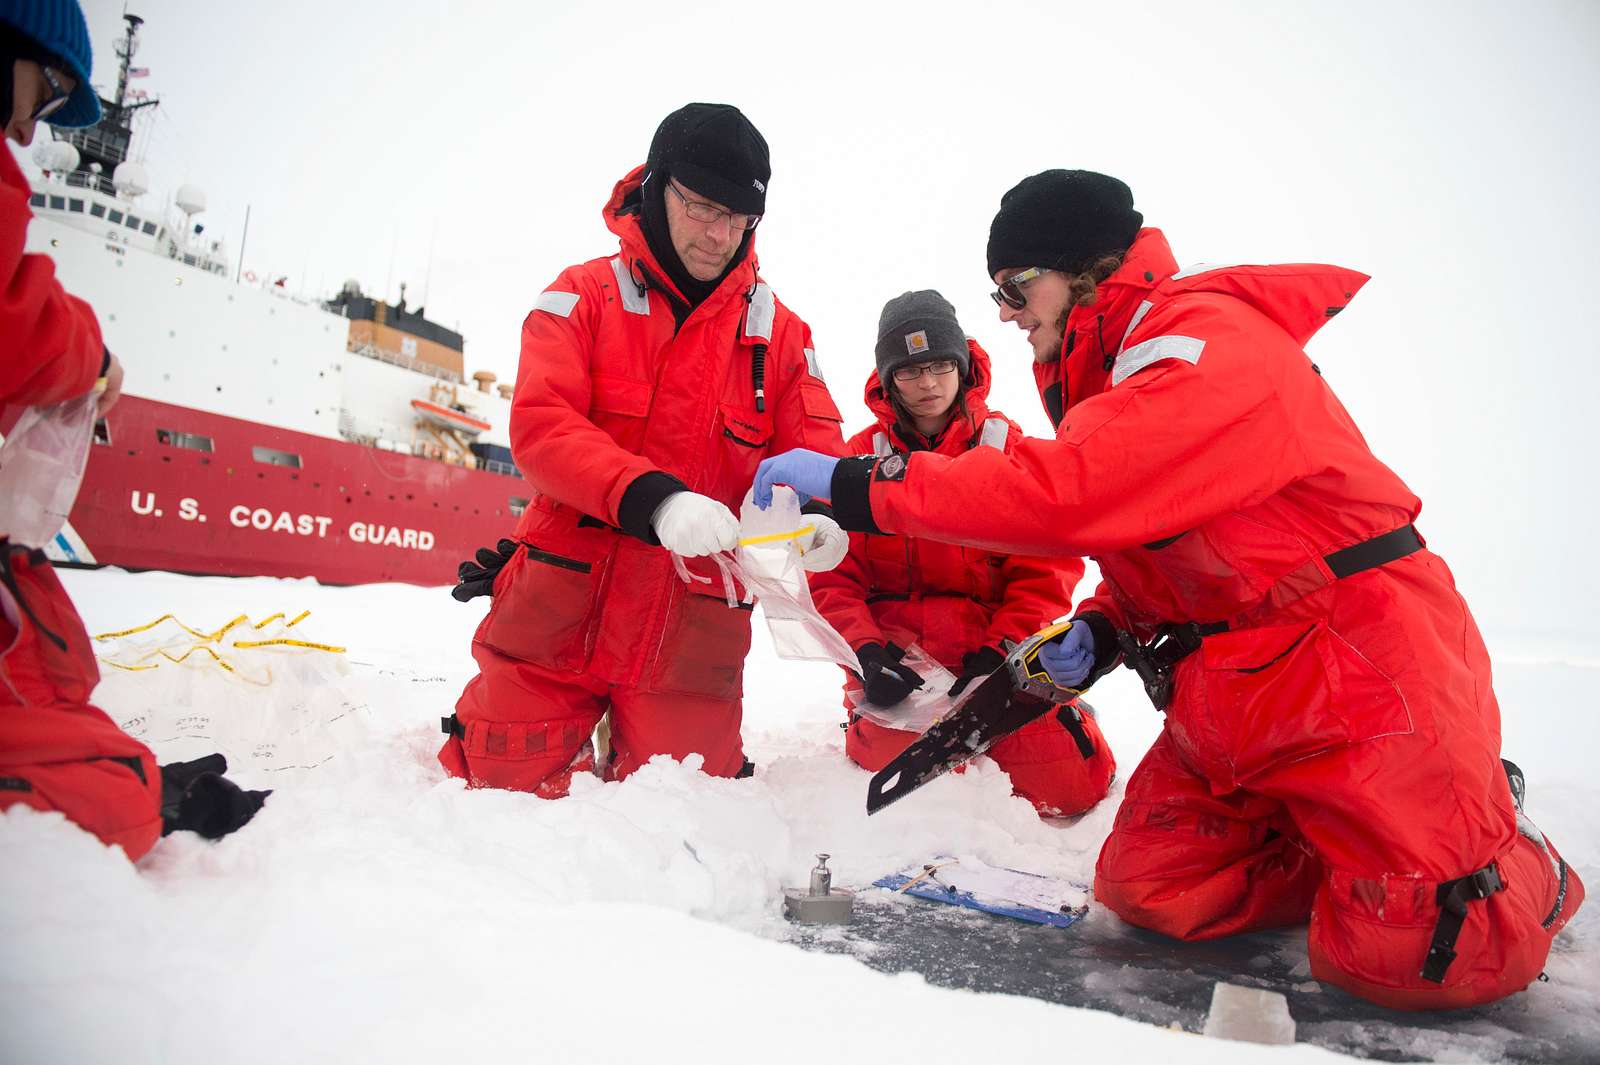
1201,268
995,431
1139,356
762,310
880,444
559,304
812,364
635,300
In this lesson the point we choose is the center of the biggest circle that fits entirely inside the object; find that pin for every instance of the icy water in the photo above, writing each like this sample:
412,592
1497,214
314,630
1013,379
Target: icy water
1104,964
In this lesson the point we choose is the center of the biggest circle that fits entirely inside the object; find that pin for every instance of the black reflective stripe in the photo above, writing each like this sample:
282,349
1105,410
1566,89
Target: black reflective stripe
1452,897
1374,552
557,560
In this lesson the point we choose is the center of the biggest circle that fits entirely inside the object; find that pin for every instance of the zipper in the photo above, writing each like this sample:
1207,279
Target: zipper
559,561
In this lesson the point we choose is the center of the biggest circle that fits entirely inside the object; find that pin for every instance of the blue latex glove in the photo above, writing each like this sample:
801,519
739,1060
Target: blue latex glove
1069,659
809,473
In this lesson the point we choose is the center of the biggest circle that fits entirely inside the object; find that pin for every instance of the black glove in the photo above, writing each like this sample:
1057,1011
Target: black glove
477,578
196,797
975,665
886,680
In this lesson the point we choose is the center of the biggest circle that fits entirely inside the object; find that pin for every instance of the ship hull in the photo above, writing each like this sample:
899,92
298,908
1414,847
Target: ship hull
270,501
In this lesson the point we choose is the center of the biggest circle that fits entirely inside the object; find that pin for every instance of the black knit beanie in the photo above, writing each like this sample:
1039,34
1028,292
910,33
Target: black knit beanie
715,151
919,327
1063,220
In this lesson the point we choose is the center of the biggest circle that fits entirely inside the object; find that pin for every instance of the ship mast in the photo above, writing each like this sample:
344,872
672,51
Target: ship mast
104,146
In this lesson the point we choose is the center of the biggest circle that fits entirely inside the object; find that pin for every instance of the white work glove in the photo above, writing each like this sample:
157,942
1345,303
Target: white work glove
690,524
824,548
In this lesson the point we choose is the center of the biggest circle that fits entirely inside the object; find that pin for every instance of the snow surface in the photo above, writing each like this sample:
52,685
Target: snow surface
377,911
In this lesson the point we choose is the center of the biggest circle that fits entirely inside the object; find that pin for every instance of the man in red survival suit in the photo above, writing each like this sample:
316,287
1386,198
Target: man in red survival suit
1331,746
956,603
652,382
58,752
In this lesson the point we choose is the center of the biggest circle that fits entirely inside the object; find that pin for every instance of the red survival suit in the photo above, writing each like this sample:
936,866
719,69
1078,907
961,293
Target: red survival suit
1331,748
57,752
952,600
616,407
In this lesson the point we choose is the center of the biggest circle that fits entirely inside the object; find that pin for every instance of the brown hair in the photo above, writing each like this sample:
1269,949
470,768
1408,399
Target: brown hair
902,415
1085,287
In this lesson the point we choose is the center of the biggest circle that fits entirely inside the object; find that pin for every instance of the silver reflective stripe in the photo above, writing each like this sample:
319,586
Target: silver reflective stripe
995,431
880,444
634,300
559,304
812,364
1201,268
1138,316
1139,356
763,309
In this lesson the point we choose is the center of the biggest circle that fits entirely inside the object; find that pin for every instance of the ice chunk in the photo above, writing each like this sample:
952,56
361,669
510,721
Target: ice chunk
1249,1015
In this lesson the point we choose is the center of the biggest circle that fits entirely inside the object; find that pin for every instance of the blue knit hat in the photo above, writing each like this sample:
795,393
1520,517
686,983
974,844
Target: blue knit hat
58,28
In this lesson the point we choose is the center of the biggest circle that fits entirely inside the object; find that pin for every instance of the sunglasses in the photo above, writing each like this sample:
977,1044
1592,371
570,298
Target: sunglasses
55,101
1009,294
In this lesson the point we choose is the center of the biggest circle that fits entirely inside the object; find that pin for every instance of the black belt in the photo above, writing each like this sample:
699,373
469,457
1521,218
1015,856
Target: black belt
1175,641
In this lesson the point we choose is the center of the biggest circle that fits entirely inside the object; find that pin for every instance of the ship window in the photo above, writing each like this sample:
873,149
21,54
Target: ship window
58,203
98,210
102,431
274,457
75,205
132,222
517,505
192,441
148,229
114,217
37,199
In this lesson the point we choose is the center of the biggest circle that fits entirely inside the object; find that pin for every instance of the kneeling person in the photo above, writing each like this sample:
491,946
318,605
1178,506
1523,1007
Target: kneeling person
956,603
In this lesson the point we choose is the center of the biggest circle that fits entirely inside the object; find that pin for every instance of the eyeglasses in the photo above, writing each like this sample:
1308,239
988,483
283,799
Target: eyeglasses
55,101
1009,294
701,211
938,368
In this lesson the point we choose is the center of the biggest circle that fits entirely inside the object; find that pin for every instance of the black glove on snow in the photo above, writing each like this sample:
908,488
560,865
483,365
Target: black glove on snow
975,665
477,578
886,680
196,797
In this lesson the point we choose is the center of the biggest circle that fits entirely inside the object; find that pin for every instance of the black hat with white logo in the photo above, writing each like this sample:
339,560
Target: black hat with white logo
712,149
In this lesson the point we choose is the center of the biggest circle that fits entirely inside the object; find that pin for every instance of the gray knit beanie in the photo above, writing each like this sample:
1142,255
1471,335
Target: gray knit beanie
919,327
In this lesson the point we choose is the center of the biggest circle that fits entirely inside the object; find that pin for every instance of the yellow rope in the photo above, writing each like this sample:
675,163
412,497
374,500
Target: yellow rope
284,642
205,638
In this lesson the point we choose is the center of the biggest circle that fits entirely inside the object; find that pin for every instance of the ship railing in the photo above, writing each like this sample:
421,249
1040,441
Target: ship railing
395,358
505,469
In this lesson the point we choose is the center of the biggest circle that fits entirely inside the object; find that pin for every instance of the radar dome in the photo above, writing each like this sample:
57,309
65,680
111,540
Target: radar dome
191,199
56,155
130,179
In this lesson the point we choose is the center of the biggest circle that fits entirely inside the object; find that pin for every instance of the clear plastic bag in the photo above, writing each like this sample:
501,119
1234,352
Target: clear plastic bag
922,707
41,465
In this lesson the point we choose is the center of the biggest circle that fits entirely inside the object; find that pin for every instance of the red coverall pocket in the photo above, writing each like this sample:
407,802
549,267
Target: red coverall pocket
545,609
1284,693
703,650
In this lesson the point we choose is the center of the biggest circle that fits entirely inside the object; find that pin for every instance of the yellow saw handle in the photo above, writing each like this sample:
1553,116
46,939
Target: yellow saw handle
1028,673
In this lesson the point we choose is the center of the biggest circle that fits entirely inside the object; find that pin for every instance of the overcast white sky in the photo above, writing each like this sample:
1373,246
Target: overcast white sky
1448,149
